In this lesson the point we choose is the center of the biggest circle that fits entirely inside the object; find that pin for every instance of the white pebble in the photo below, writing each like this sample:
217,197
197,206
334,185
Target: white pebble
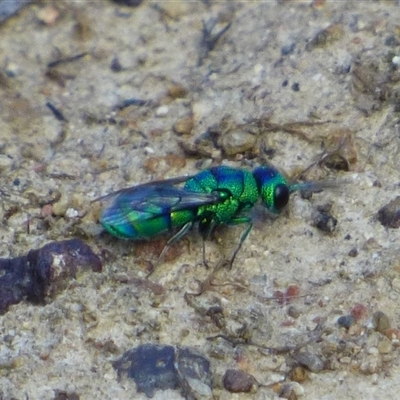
396,61
162,111
71,213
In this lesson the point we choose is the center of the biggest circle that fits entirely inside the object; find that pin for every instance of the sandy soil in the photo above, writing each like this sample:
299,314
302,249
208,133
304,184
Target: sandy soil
152,92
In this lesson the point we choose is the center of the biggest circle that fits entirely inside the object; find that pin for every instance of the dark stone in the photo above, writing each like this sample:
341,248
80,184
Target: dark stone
325,222
129,3
150,366
236,381
353,252
64,395
346,321
156,367
389,215
288,49
296,87
310,360
43,272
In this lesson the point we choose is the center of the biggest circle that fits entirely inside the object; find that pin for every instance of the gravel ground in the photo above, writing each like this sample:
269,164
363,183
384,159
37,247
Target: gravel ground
97,96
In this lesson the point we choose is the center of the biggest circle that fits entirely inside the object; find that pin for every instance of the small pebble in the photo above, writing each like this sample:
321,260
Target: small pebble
380,321
299,374
236,381
177,91
292,292
288,49
162,111
310,360
385,346
346,321
237,141
293,312
13,70
353,252
325,222
71,213
389,215
184,126
396,61
359,311
296,87
116,65
61,206
46,211
48,15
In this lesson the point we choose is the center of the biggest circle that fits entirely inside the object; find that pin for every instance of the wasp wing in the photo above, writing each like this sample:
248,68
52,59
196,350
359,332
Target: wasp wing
135,190
152,200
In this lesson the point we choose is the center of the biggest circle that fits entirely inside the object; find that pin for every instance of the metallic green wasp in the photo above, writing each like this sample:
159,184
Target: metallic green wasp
215,196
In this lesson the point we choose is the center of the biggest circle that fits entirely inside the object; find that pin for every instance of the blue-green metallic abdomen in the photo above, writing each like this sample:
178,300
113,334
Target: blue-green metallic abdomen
147,218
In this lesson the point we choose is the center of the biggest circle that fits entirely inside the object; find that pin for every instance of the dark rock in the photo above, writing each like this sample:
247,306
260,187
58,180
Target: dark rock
353,252
325,221
155,367
64,395
380,321
389,215
150,366
236,381
43,272
129,3
310,360
346,321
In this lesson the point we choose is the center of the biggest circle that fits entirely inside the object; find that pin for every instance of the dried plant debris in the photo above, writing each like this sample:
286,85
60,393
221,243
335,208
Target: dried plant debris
210,39
44,272
162,367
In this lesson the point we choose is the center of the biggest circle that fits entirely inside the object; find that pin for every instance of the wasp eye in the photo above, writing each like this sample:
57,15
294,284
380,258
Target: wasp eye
281,196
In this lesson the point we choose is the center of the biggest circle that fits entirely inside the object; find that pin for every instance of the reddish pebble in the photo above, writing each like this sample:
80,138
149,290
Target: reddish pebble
46,211
359,311
236,381
280,297
316,320
292,292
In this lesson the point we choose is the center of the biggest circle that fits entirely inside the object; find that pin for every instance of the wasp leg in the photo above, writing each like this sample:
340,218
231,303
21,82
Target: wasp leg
206,228
237,221
178,235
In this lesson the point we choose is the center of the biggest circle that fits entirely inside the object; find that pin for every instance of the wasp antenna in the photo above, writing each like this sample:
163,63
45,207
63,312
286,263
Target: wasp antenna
314,186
